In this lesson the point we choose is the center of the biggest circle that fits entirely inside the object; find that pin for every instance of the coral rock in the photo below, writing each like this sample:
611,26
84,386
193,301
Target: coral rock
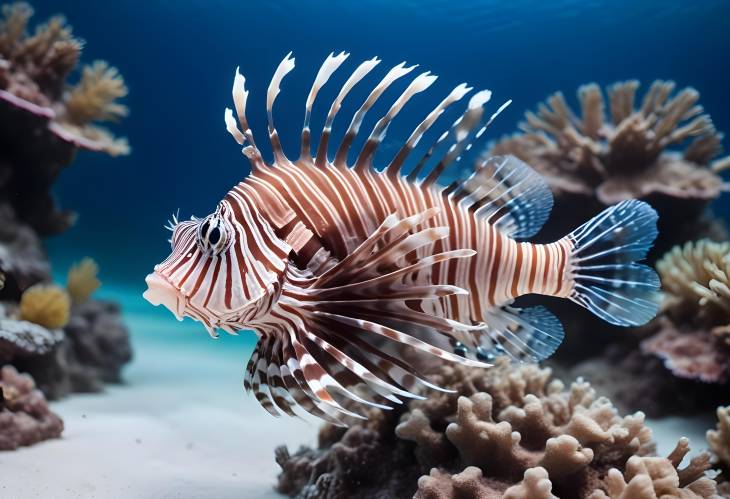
25,418
47,305
95,347
22,258
44,119
25,339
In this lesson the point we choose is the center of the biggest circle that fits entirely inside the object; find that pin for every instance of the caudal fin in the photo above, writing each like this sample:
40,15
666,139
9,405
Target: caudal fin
608,282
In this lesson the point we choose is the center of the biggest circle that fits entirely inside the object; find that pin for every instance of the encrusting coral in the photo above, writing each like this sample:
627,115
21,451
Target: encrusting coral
692,332
25,418
47,305
601,157
43,118
509,431
82,280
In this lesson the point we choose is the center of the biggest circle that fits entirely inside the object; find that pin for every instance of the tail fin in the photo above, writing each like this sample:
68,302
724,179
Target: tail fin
607,281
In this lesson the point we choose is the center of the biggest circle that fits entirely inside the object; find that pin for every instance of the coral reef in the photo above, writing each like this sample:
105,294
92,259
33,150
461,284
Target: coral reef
43,118
67,341
601,157
25,418
82,280
94,349
47,305
719,441
509,431
691,334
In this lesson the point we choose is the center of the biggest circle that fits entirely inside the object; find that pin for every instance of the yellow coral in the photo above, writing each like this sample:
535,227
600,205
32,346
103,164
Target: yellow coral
82,280
47,305
94,97
697,275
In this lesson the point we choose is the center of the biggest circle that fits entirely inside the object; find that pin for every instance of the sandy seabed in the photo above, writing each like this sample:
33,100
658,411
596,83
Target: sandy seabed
181,427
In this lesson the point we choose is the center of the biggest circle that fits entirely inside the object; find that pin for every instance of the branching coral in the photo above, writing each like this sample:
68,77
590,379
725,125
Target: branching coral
692,332
47,305
603,156
513,432
36,68
82,280
25,418
43,118
719,439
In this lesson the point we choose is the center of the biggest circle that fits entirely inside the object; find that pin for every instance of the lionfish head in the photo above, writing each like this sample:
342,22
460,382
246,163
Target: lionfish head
216,273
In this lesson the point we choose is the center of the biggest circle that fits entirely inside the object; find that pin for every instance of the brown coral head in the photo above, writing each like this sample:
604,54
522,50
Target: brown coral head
82,280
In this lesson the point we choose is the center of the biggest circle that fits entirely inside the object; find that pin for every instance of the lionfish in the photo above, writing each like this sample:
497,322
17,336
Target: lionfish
344,270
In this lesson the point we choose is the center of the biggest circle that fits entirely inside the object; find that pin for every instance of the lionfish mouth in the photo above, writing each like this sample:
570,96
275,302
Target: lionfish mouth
161,292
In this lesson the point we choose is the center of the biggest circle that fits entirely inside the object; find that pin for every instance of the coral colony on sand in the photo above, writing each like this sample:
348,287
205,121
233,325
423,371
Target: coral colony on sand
510,431
63,338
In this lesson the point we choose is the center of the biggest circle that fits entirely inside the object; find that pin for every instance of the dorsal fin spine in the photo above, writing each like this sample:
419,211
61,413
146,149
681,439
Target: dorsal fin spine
419,84
456,94
329,66
240,95
396,72
285,66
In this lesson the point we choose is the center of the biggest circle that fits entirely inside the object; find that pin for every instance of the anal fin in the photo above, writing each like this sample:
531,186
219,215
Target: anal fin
529,334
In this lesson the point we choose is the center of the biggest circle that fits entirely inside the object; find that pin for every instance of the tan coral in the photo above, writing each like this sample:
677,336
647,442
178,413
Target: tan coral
624,153
652,477
693,335
33,78
47,305
94,98
697,276
719,439
82,280
509,431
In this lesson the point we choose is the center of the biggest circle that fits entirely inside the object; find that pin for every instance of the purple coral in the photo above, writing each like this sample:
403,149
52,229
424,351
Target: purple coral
25,418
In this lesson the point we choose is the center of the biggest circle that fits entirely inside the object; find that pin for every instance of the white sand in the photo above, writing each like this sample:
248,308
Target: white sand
182,427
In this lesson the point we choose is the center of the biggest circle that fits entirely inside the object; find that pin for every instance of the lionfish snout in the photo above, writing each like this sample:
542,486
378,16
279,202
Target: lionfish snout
161,292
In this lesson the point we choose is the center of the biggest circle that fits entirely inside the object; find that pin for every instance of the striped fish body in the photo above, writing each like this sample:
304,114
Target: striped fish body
332,210
342,269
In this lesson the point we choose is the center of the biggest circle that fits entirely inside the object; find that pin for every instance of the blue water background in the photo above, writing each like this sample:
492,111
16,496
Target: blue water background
179,57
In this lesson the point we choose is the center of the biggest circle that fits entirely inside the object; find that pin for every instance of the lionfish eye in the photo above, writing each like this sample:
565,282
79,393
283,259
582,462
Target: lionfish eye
212,235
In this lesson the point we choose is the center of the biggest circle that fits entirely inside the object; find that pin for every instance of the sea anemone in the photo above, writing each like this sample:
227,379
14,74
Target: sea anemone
47,305
82,280
601,157
511,431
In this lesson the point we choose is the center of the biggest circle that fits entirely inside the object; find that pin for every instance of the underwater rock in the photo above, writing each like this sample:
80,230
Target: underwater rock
22,258
508,431
634,380
25,418
95,348
19,338
600,157
43,118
